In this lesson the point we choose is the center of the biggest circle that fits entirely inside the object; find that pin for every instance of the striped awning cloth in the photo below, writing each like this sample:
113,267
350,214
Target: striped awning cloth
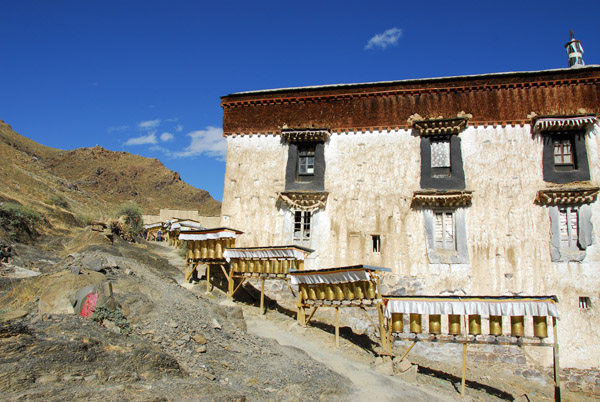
563,123
335,275
219,233
470,305
270,253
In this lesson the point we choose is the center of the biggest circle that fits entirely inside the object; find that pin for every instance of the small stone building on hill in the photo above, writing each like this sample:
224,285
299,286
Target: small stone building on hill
469,185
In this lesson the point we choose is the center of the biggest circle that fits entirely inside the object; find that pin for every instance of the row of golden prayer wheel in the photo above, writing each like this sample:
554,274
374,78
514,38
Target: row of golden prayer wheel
208,249
339,291
540,326
265,266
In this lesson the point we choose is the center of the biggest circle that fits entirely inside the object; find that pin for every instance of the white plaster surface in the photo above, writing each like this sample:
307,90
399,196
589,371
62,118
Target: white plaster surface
371,178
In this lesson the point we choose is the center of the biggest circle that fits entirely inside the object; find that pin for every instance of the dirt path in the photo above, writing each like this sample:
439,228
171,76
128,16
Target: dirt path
349,360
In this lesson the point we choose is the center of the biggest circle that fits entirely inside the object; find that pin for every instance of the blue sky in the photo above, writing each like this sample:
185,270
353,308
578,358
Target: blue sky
146,76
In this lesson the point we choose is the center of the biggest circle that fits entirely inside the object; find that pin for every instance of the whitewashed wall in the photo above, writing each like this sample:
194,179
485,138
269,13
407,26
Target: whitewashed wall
371,178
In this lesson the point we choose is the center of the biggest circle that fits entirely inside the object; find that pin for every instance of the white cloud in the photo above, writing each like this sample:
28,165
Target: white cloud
142,140
149,124
117,128
209,142
179,128
388,38
166,137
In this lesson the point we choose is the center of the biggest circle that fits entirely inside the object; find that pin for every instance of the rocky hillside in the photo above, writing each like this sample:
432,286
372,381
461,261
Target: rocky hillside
90,181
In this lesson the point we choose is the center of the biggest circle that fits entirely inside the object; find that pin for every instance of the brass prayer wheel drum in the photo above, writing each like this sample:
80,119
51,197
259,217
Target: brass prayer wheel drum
285,266
276,266
211,248
371,290
475,324
359,291
242,265
235,265
300,265
397,322
312,292
329,293
304,291
540,327
338,291
189,254
321,295
454,324
517,328
204,248
197,254
415,323
348,291
219,248
268,267
496,325
435,324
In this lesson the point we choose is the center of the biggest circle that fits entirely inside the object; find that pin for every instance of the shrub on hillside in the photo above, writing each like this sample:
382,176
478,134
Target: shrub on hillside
59,201
18,220
133,216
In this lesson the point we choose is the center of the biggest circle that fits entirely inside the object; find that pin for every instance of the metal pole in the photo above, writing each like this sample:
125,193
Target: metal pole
337,327
262,296
207,278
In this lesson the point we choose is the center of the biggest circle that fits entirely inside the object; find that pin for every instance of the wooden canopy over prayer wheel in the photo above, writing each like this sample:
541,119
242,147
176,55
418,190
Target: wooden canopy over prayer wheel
472,308
206,246
272,262
352,286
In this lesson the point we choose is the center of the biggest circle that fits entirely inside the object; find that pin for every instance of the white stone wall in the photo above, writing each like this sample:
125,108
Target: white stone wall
371,178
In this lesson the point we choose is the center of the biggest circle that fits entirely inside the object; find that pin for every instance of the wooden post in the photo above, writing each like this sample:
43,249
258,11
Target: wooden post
230,283
262,296
464,370
207,278
408,350
382,331
557,396
337,326
300,316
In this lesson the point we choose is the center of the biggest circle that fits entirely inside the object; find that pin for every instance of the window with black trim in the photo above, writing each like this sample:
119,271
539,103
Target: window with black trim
376,241
571,232
565,157
440,157
302,225
444,230
306,163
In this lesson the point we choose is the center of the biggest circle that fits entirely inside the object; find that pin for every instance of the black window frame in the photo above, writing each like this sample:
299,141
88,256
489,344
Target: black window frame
430,177
559,173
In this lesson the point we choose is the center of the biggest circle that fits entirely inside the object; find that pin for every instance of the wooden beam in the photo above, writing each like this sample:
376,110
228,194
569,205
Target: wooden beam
337,326
311,314
557,396
262,295
464,370
207,278
408,350
239,285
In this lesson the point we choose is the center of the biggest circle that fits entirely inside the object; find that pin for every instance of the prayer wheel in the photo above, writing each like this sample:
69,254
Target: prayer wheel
475,324
189,254
454,324
211,248
371,290
268,267
243,267
397,322
312,292
329,293
252,266
415,323
197,254
348,290
517,327
540,327
337,290
304,291
496,325
219,248
285,266
235,265
276,266
435,324
204,249
321,295
359,290
300,265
